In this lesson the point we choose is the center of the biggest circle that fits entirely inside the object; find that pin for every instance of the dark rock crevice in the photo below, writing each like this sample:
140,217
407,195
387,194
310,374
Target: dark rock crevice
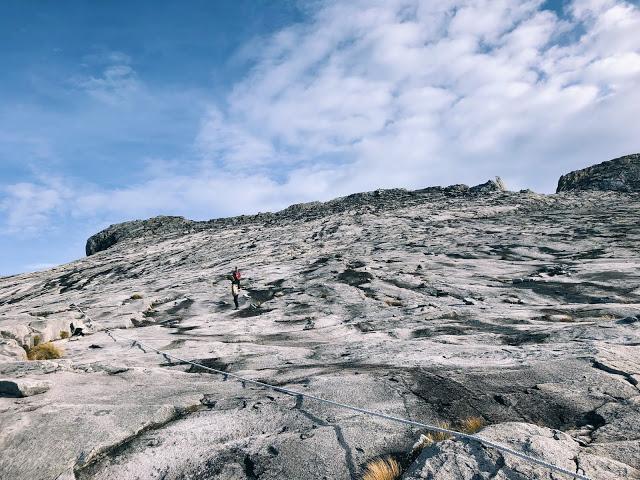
614,371
348,454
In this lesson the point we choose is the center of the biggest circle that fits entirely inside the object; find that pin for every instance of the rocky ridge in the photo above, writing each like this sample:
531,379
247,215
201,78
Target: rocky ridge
618,175
375,201
435,305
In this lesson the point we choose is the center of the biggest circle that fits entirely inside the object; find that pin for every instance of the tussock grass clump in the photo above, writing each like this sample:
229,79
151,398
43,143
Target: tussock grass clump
382,469
135,296
64,334
432,437
44,351
471,424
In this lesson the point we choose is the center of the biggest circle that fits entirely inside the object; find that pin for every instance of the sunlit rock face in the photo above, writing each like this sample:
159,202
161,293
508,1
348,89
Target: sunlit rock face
435,305
618,175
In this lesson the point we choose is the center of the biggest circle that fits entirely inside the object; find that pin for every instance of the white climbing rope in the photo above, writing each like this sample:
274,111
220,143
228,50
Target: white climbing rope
294,393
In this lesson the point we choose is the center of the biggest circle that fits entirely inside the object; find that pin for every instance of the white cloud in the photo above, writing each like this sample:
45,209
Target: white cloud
117,82
29,206
419,93
389,93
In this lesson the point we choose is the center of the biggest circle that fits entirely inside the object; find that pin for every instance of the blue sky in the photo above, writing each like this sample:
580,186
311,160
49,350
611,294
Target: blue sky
111,111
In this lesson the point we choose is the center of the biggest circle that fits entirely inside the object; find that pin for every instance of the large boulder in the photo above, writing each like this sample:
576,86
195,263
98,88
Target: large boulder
22,387
469,460
11,351
619,175
496,185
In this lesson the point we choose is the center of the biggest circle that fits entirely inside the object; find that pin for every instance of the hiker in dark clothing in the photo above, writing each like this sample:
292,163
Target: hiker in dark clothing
235,286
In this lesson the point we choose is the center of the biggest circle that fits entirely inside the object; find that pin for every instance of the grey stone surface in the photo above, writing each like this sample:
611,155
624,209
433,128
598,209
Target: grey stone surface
22,387
469,460
10,350
377,200
434,305
619,175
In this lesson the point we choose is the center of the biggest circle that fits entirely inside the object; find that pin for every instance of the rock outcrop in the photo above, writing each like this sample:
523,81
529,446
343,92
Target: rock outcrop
22,388
377,200
469,460
618,175
157,226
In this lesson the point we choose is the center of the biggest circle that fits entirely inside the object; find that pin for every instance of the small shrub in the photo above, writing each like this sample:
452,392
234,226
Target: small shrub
44,351
64,334
432,437
382,469
135,296
471,424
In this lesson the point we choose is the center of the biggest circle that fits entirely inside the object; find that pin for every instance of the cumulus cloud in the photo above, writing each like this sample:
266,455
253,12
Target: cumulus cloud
27,206
415,93
369,94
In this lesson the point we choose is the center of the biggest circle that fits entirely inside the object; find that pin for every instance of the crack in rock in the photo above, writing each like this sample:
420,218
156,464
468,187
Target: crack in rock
348,454
614,371
83,469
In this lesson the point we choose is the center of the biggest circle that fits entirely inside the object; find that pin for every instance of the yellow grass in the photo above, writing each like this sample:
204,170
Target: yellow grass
432,437
382,469
64,334
44,351
136,296
468,425
471,424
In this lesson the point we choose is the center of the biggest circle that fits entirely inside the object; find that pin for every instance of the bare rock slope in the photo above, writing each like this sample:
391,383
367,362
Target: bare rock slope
435,305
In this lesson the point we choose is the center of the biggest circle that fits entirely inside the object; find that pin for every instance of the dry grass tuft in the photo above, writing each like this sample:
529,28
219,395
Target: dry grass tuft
64,334
382,469
471,424
432,437
44,351
135,296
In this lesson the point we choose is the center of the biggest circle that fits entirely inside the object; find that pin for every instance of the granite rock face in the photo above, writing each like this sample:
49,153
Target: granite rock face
156,226
434,305
469,460
618,175
177,226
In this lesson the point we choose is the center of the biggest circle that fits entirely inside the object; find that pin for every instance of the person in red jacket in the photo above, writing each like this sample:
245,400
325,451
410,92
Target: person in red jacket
235,286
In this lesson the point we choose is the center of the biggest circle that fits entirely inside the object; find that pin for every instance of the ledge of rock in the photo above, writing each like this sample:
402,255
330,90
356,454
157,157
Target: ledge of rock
22,388
121,231
469,460
377,199
618,175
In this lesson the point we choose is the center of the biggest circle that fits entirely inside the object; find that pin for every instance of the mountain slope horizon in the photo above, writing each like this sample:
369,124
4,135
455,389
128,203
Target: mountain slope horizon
514,310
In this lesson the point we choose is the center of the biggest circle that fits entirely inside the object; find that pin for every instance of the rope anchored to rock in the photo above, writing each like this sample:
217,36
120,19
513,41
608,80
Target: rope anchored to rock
302,395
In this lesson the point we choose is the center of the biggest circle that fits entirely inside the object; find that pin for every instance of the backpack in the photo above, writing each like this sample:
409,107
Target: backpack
237,275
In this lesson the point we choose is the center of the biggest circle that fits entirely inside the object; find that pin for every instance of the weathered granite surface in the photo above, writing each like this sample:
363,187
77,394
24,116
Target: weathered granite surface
434,305
378,199
618,175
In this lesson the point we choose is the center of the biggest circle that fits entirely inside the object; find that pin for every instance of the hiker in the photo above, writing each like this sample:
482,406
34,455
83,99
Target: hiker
235,286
